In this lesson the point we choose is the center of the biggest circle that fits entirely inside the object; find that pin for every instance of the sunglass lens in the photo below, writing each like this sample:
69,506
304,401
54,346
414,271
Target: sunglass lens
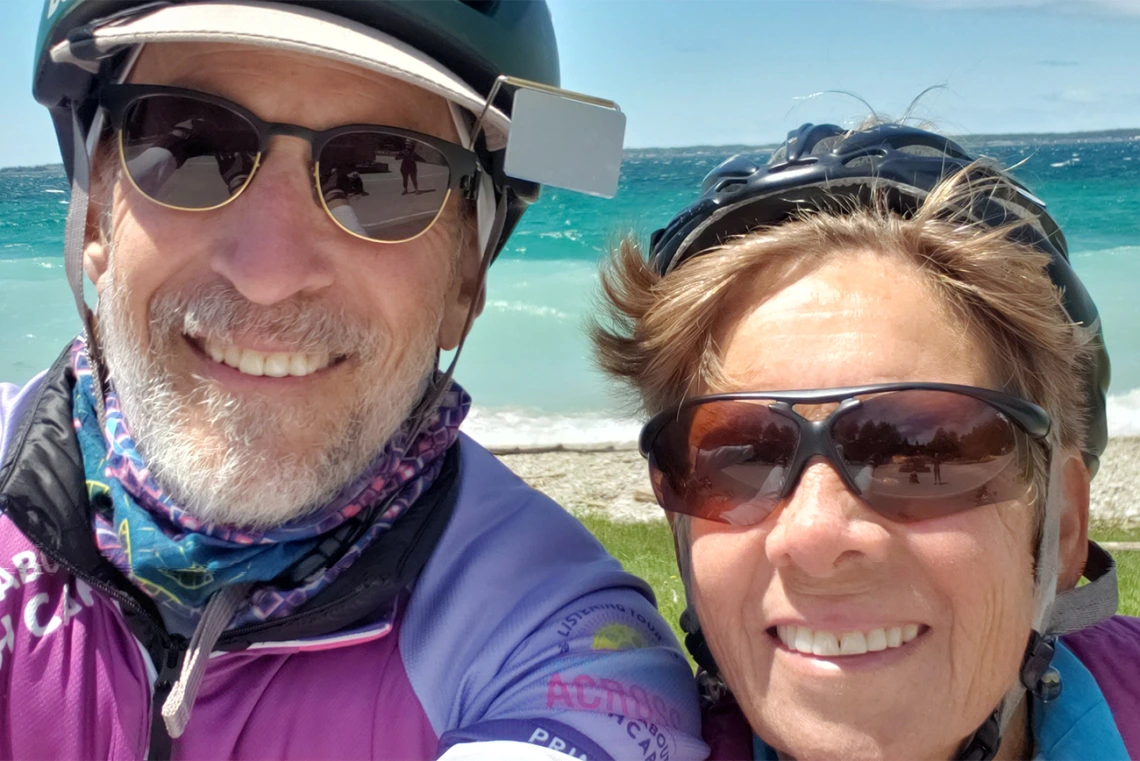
916,455
724,461
187,153
383,187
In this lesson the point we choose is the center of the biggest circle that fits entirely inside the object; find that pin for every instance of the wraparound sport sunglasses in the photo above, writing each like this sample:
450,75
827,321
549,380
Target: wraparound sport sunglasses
193,151
911,451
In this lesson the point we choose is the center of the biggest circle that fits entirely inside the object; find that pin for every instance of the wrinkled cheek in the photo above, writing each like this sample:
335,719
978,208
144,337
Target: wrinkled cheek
728,594
987,647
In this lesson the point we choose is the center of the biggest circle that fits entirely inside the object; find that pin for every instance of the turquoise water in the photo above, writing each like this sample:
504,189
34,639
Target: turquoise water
527,363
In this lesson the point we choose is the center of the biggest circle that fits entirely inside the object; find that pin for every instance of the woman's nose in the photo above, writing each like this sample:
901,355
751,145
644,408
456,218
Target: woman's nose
823,529
278,239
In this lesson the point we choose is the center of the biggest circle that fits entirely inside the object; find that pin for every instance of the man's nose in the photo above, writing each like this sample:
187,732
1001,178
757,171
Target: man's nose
823,529
279,239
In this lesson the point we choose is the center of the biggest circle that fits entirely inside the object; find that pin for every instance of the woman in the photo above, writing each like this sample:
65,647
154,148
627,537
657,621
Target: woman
877,399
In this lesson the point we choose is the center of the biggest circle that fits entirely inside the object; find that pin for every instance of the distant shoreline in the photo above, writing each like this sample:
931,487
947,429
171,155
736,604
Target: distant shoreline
1096,136
1124,135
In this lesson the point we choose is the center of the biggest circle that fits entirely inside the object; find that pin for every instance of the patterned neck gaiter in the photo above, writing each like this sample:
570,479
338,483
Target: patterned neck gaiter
181,562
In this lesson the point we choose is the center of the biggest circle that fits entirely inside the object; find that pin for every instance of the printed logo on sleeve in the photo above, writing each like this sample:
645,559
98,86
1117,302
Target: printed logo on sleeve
618,637
40,616
608,626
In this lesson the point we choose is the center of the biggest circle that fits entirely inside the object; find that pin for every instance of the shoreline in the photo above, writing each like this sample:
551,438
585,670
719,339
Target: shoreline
611,480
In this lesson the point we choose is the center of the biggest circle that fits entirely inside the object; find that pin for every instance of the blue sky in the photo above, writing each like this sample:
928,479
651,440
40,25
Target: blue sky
743,71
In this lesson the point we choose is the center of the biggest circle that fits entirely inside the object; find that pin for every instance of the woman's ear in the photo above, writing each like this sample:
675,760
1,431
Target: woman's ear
1074,543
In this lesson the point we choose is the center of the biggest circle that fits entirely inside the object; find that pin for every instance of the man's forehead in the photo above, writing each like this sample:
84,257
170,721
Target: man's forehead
263,78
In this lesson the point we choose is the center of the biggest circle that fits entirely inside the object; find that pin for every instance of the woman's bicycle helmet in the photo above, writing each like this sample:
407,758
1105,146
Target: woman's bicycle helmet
823,167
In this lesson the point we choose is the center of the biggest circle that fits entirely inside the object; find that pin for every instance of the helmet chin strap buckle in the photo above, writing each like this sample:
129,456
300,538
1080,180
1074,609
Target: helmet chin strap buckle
696,643
1037,675
983,745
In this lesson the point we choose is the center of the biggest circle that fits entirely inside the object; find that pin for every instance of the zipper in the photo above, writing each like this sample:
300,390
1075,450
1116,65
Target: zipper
169,669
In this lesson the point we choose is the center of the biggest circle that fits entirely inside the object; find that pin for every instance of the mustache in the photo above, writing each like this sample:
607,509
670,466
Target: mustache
217,311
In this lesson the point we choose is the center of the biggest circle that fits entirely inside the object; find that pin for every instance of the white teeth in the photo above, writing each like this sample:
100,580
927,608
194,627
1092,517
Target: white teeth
830,644
318,361
804,639
216,351
853,643
274,364
298,365
232,356
825,643
252,363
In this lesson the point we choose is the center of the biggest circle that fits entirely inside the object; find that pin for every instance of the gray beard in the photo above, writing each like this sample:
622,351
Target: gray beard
218,455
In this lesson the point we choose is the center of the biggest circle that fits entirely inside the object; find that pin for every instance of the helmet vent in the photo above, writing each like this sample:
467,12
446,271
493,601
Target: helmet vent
486,7
731,186
826,145
920,150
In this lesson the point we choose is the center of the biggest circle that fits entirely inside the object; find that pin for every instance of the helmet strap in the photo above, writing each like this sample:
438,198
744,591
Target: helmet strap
423,411
74,238
75,232
1092,603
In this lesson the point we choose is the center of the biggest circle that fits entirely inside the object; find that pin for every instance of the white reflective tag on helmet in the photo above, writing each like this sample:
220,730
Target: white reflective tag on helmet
567,142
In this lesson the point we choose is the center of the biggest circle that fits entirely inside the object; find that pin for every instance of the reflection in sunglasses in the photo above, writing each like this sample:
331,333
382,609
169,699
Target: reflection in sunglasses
196,152
909,453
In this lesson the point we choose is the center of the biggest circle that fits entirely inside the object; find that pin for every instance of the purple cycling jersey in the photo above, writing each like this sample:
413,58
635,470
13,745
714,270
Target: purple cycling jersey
520,627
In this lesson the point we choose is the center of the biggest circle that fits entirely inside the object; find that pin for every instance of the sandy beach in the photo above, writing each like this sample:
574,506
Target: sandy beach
613,482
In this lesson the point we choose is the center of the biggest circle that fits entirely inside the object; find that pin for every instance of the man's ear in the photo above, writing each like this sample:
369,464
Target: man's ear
1074,545
465,291
97,249
95,261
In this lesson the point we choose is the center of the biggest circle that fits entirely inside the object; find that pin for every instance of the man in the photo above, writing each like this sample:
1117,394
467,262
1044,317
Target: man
238,516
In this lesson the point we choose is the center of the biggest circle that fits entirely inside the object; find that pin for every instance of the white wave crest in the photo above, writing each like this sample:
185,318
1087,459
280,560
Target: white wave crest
1101,253
1124,413
572,235
503,427
537,310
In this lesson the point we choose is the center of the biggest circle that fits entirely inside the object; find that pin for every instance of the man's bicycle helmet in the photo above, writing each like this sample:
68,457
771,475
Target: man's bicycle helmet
474,40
